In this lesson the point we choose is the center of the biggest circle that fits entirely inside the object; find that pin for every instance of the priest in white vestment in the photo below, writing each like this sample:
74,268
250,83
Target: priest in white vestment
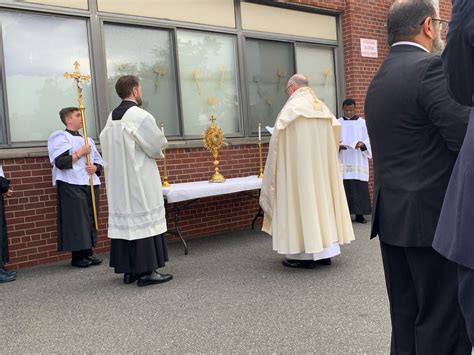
303,199
354,154
131,142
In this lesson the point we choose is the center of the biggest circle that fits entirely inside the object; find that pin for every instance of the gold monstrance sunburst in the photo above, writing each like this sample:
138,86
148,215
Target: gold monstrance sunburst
79,78
214,141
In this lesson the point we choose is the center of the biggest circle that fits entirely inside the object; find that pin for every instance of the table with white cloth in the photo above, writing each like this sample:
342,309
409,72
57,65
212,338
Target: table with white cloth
191,192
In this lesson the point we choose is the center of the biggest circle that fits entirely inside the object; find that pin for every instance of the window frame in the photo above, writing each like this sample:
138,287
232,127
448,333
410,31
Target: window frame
95,22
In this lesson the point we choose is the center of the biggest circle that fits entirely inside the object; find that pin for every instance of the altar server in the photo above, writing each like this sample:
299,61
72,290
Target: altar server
76,231
354,154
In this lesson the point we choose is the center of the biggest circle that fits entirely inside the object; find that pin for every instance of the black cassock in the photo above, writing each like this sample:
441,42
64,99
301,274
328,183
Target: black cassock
75,217
4,186
358,199
454,237
76,230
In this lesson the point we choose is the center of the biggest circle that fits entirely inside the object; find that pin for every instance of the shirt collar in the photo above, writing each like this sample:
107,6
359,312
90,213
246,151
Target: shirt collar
409,43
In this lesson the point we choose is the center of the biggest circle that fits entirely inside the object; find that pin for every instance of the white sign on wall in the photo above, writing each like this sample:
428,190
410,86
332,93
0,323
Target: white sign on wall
368,48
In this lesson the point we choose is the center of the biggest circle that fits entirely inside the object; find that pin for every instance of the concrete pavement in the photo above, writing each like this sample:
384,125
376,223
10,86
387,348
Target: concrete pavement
230,294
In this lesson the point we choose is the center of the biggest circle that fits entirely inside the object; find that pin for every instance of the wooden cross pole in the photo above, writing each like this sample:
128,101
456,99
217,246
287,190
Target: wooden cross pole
79,78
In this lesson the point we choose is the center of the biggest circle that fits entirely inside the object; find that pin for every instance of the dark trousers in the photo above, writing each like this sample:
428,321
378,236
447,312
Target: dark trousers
422,289
81,254
466,298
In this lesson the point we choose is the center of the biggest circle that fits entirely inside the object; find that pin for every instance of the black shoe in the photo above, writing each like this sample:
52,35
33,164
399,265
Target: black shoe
154,278
324,261
360,219
6,272
130,278
7,278
302,264
81,263
94,260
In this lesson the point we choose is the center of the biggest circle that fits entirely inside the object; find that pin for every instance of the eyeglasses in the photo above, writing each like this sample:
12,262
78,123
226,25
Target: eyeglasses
443,24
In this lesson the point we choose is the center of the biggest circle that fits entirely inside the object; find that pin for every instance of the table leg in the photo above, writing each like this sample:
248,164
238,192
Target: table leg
259,214
178,230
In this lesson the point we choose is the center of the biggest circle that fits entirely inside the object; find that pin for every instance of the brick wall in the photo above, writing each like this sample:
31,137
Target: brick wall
31,213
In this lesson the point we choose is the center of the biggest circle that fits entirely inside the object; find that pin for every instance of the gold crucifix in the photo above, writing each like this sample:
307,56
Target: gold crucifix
79,78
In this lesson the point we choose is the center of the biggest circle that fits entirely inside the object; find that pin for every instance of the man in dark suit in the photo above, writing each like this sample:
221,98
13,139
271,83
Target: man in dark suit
416,130
454,237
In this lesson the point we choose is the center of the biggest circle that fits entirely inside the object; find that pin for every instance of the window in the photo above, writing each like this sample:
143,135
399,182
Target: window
317,64
269,65
35,67
147,53
208,76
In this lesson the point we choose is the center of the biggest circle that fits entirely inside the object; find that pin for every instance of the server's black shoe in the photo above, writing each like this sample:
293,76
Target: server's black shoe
301,264
81,263
360,219
130,278
7,278
154,278
324,261
94,260
6,272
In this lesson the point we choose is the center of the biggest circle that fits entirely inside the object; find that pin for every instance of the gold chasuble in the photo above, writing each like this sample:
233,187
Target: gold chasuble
302,193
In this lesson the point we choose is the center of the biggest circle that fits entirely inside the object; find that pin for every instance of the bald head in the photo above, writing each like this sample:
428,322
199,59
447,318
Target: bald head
299,80
296,81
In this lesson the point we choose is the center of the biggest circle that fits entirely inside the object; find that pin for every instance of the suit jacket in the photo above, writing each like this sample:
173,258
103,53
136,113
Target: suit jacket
454,235
416,130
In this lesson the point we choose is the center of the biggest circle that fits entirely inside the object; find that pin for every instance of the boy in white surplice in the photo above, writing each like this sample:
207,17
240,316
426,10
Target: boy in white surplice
67,154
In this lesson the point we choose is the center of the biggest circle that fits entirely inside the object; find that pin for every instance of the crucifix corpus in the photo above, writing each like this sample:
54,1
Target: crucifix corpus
79,78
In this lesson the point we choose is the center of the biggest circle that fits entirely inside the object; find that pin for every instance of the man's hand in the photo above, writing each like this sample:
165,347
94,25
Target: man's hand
91,169
9,192
360,145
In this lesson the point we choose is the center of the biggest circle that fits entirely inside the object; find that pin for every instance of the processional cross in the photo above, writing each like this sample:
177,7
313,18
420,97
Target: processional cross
79,78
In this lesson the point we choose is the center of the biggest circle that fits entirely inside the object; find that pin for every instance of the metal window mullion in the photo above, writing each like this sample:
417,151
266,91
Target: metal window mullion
6,136
240,77
174,48
98,61
339,66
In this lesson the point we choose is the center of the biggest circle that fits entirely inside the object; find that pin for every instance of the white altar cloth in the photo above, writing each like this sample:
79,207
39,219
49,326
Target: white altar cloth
197,189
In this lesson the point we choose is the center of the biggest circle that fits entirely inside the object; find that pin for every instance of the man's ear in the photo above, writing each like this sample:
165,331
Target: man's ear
428,28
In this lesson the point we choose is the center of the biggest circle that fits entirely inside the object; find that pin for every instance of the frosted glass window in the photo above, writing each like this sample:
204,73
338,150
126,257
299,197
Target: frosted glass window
317,64
35,63
207,68
269,65
147,53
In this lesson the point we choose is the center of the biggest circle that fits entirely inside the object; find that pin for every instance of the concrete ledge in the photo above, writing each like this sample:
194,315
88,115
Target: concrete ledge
35,152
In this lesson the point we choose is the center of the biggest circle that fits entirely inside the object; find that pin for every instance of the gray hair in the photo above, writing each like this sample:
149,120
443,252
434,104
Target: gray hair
299,79
405,18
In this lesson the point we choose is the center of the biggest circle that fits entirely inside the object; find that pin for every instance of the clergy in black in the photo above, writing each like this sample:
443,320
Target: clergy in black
416,130
454,237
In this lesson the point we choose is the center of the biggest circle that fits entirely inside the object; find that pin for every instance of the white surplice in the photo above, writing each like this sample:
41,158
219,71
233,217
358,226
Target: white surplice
135,199
355,162
63,141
